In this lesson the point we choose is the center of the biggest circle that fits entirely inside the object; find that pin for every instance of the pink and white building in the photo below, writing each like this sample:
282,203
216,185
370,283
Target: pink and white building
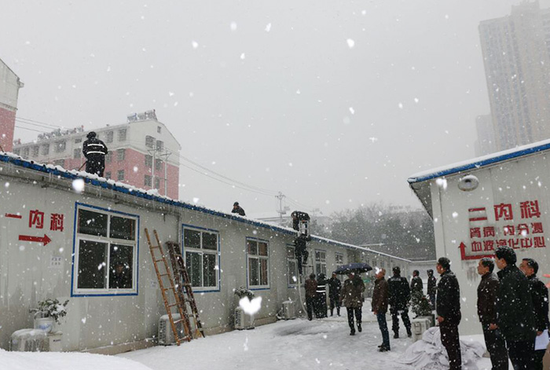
142,152
9,92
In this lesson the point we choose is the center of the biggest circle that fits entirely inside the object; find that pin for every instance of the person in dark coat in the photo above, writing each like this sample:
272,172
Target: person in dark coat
238,209
486,310
399,297
515,317
311,292
448,312
94,150
321,297
539,294
352,297
335,286
119,278
380,298
432,287
301,253
416,282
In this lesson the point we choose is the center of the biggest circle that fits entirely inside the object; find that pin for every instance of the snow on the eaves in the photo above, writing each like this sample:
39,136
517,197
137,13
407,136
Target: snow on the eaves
481,161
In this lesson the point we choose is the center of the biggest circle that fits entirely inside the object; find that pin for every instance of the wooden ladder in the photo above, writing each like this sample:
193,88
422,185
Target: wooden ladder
169,295
184,288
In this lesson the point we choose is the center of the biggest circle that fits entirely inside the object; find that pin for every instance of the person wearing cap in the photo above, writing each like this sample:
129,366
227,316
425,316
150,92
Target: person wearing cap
399,298
238,209
94,150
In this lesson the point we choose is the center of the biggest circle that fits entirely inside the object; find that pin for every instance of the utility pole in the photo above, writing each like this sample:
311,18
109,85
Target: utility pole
280,211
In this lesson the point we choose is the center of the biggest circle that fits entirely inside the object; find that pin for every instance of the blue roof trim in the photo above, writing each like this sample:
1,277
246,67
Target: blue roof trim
479,164
137,193
140,194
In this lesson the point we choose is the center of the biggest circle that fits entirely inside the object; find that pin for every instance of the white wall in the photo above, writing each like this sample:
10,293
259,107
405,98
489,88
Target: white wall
31,271
512,182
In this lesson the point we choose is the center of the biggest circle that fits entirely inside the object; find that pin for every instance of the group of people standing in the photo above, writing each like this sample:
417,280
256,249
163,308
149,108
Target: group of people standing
512,308
316,296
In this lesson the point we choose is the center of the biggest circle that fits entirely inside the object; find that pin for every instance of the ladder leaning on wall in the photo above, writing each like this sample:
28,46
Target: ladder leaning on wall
169,295
184,289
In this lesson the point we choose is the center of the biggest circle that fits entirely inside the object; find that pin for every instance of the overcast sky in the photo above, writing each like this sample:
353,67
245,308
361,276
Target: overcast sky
333,103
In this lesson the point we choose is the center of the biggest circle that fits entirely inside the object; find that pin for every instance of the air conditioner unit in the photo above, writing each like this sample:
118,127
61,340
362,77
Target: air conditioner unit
289,310
419,326
165,333
242,320
29,340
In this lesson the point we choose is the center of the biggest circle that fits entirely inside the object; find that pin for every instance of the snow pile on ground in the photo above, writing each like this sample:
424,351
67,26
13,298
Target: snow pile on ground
429,353
295,344
65,361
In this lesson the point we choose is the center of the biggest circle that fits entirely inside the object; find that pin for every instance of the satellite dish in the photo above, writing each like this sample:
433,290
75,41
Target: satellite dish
468,183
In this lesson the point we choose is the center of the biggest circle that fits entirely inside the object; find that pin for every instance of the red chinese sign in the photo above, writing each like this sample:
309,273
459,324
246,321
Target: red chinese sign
515,225
37,220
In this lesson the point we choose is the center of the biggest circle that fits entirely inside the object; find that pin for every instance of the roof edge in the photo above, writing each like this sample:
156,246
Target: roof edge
480,163
141,193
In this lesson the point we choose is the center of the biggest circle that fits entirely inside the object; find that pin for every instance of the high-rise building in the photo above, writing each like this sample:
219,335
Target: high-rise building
516,54
142,152
485,143
9,92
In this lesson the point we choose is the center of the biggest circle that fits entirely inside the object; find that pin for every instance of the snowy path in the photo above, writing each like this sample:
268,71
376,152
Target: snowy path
297,344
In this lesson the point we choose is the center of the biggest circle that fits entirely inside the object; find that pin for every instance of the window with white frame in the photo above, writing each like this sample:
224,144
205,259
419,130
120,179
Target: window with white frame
292,265
258,263
149,141
121,154
339,259
109,137
148,160
122,134
60,146
105,252
320,262
201,256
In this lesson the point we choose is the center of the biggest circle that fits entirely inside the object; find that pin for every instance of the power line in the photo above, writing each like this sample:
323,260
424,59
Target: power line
38,122
30,129
257,189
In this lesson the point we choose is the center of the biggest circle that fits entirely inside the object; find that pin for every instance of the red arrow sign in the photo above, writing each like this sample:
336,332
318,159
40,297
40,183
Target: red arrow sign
38,239
464,257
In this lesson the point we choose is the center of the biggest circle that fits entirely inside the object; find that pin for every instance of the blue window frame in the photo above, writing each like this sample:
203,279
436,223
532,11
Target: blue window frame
257,252
105,252
201,249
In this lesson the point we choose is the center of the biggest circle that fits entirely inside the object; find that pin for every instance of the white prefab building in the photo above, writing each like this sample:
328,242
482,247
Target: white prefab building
63,232
498,199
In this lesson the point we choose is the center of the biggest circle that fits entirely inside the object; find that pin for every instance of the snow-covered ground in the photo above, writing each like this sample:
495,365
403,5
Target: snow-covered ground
295,344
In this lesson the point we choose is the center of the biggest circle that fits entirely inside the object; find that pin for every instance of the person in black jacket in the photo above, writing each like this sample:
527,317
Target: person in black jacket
515,317
432,284
238,209
539,293
94,150
321,297
486,310
448,312
416,282
399,297
335,285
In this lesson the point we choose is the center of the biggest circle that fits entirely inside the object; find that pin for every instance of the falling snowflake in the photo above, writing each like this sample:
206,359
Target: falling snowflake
78,185
351,43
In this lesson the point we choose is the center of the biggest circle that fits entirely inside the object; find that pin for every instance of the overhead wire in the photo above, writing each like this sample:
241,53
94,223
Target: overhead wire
208,172
38,122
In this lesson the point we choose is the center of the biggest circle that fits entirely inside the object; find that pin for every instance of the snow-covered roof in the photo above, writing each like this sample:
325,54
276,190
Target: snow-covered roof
153,195
479,162
419,181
